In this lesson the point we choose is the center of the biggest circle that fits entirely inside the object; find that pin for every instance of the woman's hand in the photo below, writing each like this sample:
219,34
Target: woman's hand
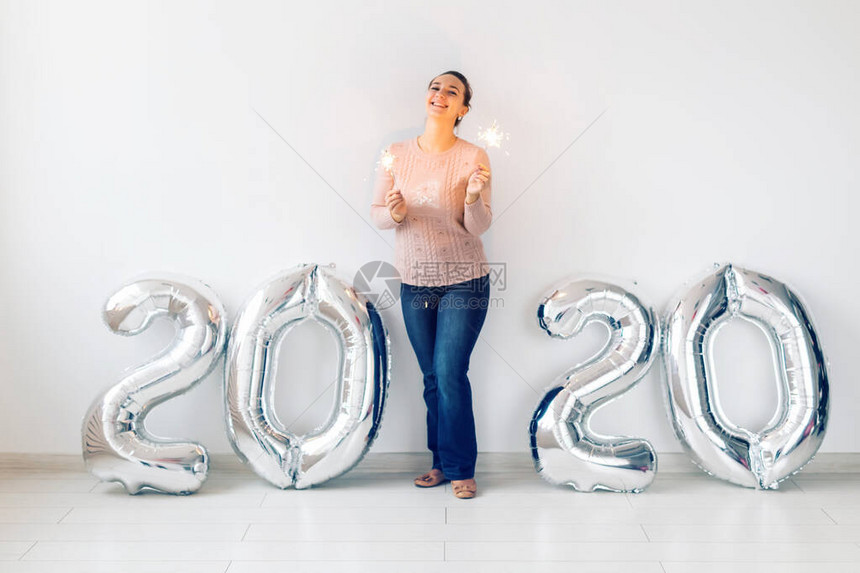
476,182
396,205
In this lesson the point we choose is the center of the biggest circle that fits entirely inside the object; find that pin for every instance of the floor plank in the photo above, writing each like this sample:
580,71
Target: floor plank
374,519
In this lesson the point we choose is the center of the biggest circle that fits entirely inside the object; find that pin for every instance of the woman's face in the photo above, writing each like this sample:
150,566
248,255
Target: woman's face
445,98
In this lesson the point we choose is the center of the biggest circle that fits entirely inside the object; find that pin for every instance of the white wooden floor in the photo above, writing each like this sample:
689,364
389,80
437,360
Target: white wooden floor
373,519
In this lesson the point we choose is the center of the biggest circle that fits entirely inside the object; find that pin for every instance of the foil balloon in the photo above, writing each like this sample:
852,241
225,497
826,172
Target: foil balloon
791,438
116,445
564,449
307,292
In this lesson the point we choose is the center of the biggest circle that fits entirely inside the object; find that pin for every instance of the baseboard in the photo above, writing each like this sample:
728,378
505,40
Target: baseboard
669,462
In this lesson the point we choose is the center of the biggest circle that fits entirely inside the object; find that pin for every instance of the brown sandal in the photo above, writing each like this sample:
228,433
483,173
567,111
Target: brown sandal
431,479
464,488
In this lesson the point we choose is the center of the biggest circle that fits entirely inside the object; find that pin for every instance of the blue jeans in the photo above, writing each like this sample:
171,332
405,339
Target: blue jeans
443,324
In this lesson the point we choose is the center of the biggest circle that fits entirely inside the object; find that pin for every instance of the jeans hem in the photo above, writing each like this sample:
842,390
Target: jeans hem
459,478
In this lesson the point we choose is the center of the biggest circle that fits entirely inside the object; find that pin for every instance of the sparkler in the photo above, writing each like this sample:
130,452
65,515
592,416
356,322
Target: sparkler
493,136
386,161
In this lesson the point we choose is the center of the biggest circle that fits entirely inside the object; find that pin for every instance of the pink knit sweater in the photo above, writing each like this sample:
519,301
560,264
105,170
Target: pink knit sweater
438,242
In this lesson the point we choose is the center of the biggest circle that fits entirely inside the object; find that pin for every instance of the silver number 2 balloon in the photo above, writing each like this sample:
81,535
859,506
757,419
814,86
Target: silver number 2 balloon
795,432
116,445
564,449
282,458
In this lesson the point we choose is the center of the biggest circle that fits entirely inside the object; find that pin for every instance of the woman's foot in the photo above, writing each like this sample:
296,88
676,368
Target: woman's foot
431,479
464,488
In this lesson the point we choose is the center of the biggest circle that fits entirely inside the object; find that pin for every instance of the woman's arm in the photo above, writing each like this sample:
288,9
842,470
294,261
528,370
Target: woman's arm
379,212
478,216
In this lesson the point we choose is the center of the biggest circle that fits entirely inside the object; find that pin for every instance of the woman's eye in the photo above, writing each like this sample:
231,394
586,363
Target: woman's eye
452,93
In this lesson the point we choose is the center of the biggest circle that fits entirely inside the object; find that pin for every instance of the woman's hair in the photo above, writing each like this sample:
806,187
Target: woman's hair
467,94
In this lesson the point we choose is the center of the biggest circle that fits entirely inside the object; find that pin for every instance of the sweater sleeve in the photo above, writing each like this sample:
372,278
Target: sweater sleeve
478,215
379,213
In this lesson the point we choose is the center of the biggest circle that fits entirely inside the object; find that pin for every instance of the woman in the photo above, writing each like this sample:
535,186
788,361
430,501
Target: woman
437,195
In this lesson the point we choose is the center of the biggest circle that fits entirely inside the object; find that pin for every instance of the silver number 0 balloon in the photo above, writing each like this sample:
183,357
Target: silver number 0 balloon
564,449
282,458
795,432
116,445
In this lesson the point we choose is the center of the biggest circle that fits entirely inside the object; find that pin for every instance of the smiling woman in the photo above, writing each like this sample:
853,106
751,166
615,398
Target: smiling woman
440,90
435,191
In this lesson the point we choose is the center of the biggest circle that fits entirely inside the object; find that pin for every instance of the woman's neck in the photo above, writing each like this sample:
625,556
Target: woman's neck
436,137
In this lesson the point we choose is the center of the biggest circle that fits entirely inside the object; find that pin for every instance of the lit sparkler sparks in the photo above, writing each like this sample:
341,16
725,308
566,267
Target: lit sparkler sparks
493,135
386,161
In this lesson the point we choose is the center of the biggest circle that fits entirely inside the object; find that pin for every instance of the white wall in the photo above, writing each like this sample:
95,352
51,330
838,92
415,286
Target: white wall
132,141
